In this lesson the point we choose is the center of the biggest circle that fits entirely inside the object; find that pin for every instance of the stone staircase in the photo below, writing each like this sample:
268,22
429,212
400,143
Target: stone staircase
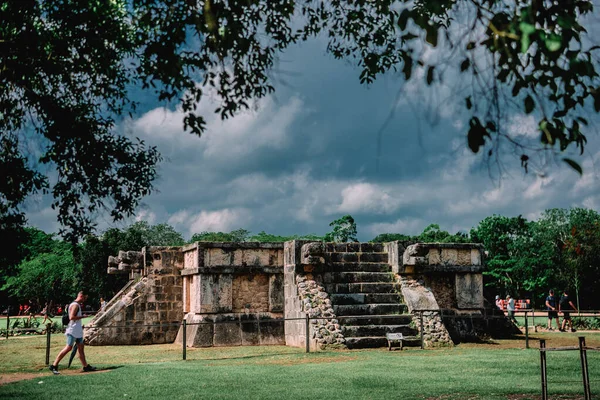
366,301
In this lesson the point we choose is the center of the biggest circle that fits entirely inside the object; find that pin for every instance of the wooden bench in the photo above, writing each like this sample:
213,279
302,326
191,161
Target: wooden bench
394,338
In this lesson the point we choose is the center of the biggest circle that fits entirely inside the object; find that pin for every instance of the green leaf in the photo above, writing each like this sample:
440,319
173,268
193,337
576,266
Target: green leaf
573,165
465,65
403,18
526,28
476,135
469,103
529,104
432,35
525,42
430,74
553,42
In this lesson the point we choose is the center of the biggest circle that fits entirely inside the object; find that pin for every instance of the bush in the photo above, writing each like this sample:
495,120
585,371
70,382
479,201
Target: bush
588,323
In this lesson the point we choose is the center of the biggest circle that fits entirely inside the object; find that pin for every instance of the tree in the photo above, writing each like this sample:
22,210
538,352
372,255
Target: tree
238,235
518,261
155,235
67,67
344,230
574,235
46,276
391,237
433,234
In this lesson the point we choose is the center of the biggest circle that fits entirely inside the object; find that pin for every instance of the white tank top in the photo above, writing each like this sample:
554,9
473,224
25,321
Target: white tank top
75,328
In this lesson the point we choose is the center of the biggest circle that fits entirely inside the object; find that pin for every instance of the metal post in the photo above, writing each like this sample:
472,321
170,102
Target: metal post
184,339
48,333
307,331
421,323
543,369
526,331
584,369
7,322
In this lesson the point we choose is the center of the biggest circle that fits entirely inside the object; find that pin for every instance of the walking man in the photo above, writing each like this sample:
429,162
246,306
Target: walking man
565,305
74,335
510,307
552,306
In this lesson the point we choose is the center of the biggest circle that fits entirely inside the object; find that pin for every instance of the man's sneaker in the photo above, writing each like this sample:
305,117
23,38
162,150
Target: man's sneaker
573,330
89,368
54,370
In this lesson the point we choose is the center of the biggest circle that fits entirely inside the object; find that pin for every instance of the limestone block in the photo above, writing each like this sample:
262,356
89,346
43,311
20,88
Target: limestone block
215,293
276,298
227,334
469,290
272,332
250,293
218,256
449,256
475,257
191,259
259,257
435,256
249,330
464,257
414,255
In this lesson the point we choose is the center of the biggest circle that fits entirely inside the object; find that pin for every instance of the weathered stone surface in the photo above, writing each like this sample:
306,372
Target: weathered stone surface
469,290
227,334
276,297
215,293
250,293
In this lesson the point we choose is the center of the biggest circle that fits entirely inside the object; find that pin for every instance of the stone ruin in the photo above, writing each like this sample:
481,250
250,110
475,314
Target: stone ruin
233,294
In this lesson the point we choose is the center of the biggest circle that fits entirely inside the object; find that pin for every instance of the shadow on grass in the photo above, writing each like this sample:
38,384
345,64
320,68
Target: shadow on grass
249,357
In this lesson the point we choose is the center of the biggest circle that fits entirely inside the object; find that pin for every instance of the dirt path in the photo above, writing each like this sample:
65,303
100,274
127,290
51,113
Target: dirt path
42,376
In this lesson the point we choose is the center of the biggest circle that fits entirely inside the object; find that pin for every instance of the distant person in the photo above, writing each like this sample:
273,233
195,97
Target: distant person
499,303
102,304
74,333
565,305
552,306
510,307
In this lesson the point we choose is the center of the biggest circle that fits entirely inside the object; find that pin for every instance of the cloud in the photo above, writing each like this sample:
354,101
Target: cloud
366,197
407,226
523,125
224,220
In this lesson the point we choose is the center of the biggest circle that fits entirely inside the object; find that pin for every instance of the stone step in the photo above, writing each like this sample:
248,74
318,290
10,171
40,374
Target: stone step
378,341
357,267
365,298
376,330
369,309
357,277
402,319
354,247
363,287
358,257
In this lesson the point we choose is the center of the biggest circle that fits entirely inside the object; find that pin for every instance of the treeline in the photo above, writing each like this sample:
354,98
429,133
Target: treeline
560,250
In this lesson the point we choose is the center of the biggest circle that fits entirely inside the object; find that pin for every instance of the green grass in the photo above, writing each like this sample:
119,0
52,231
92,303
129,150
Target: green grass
489,371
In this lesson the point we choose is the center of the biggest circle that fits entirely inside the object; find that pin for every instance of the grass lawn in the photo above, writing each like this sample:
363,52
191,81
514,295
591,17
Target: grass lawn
495,370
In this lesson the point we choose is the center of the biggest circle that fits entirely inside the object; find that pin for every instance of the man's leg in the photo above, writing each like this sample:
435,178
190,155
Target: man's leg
54,366
62,354
549,322
81,353
81,350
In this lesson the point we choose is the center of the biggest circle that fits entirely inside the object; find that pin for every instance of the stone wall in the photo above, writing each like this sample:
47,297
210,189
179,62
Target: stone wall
149,309
445,276
233,294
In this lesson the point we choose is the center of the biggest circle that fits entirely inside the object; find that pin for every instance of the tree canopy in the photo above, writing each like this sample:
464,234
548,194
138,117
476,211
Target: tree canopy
67,68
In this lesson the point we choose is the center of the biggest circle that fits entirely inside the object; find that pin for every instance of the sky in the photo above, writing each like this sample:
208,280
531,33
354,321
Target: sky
308,154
